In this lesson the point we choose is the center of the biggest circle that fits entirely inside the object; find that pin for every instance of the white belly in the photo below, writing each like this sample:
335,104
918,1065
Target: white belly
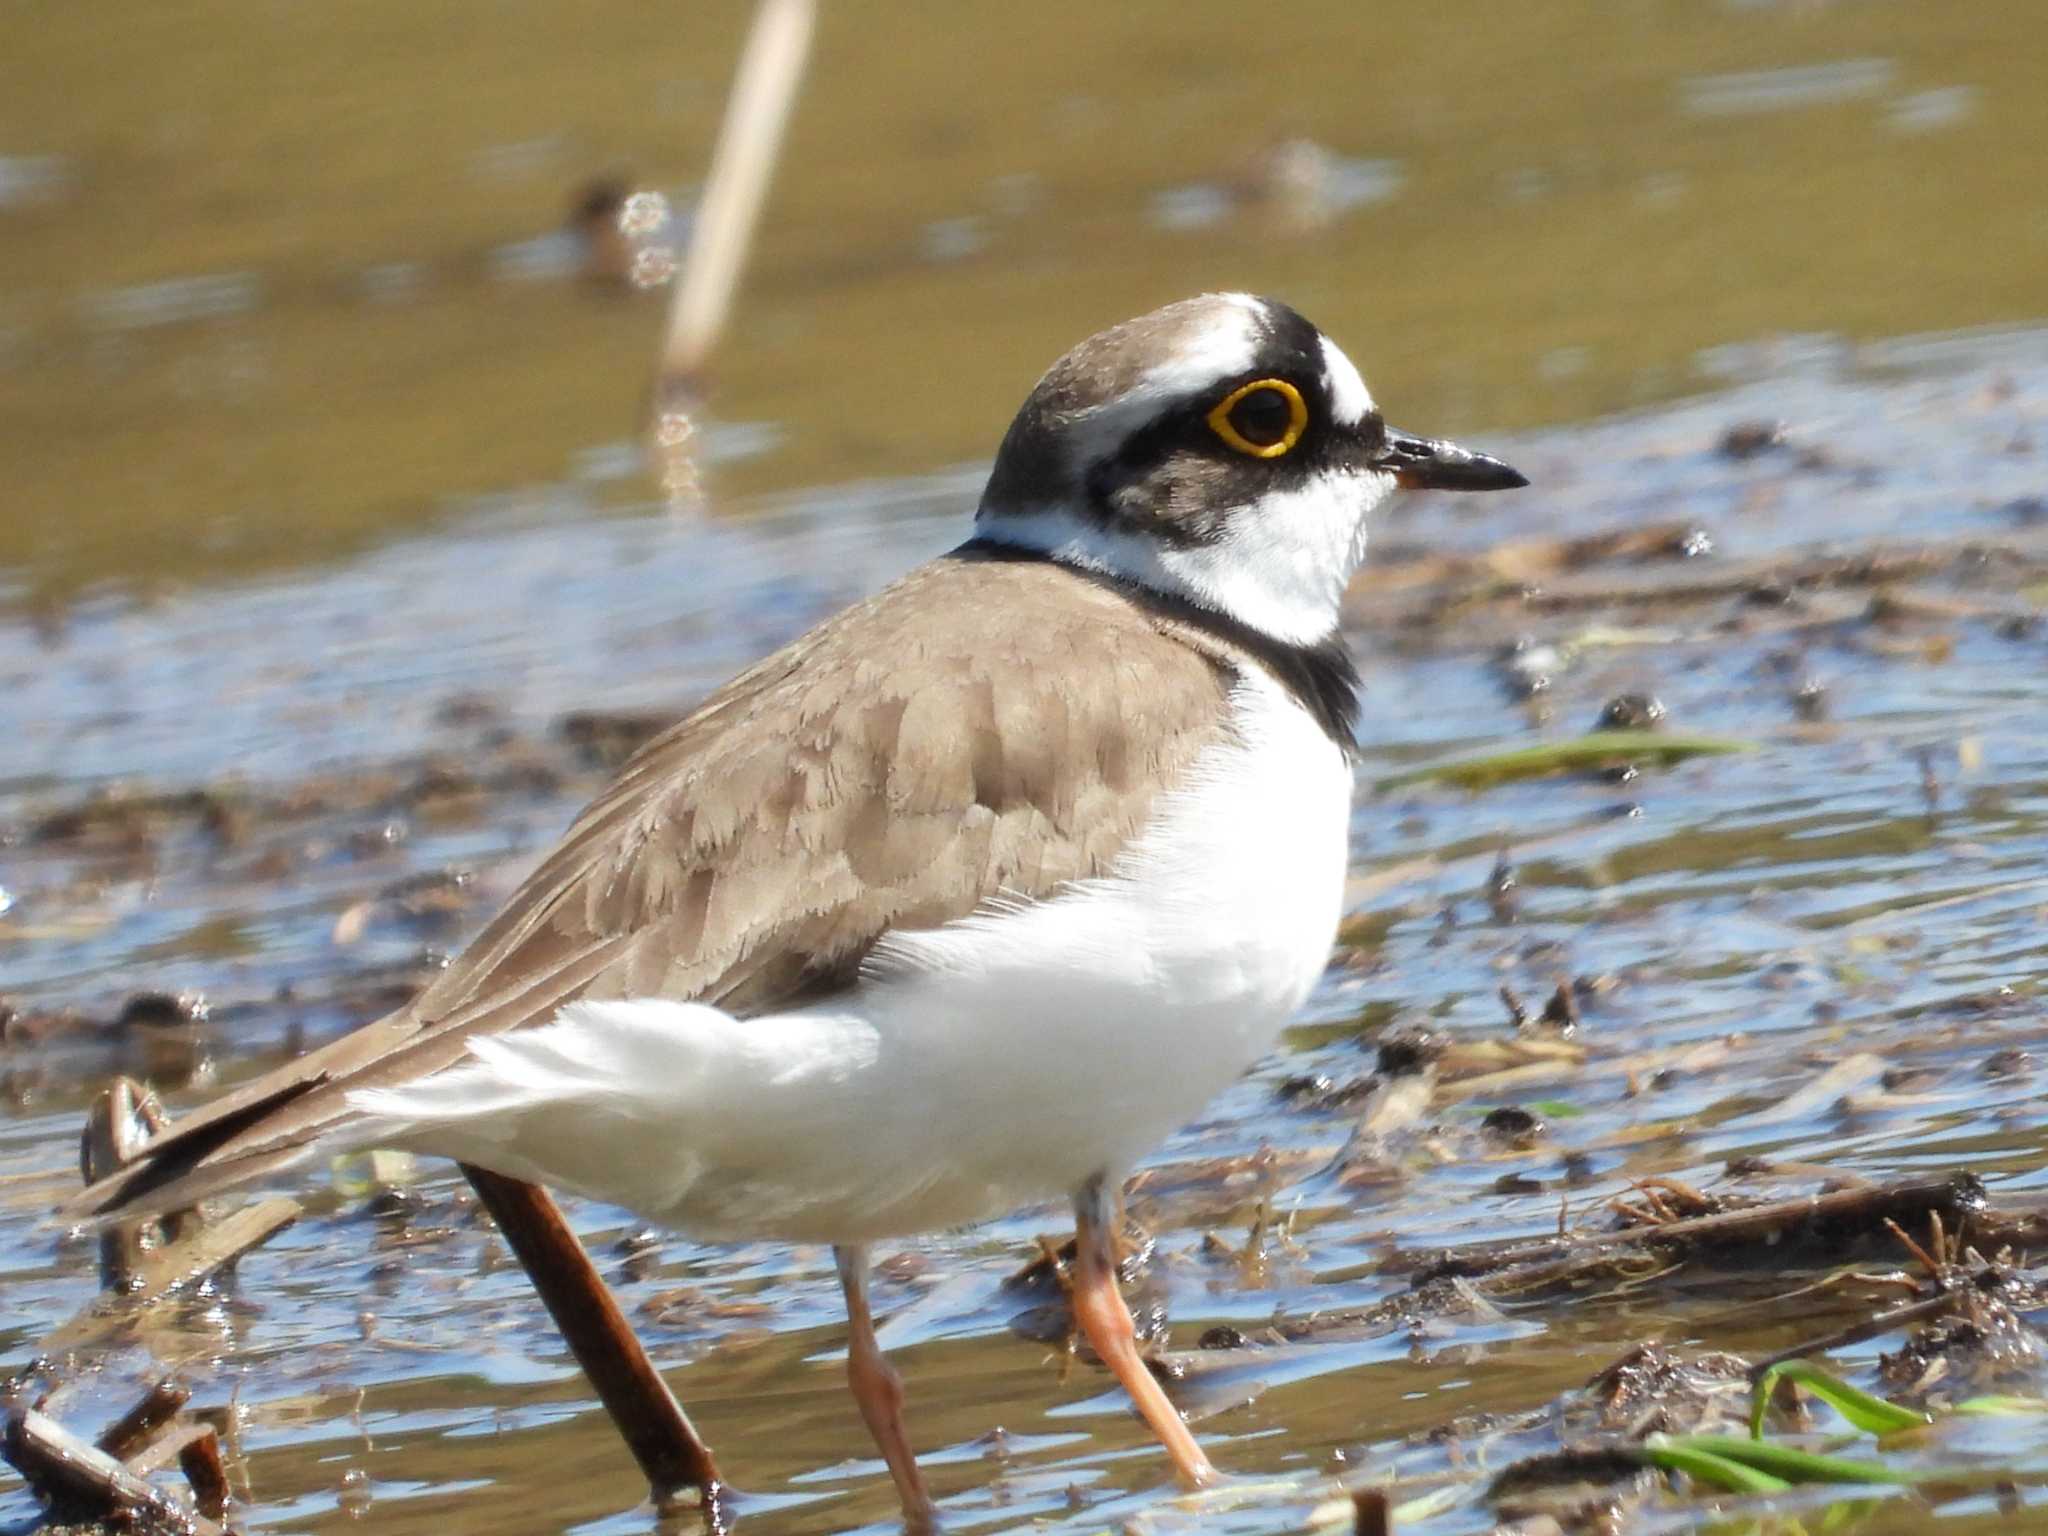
999,1060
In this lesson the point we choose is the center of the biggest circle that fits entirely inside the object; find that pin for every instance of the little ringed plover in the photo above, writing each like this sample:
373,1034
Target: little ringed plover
961,901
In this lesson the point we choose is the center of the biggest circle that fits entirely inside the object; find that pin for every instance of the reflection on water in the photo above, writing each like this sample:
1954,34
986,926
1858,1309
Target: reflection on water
175,301
1297,185
248,325
1778,90
31,178
1925,111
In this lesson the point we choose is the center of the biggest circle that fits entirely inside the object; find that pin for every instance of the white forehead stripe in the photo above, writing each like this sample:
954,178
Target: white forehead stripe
1228,345
1350,401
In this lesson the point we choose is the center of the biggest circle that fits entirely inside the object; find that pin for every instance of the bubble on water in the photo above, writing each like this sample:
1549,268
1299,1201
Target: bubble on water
647,226
653,265
675,433
642,214
354,1496
674,429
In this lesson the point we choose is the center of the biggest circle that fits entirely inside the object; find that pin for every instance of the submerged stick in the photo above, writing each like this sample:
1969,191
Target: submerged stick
749,141
1574,754
76,1476
1834,1222
191,1259
121,1119
663,1441
1858,1332
195,1447
667,1446
200,1459
173,1269
188,1247
127,1434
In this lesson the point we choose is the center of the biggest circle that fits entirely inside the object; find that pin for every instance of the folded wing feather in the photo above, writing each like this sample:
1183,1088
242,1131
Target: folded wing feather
882,773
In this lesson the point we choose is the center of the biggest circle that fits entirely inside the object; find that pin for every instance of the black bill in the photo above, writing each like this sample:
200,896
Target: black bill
1431,464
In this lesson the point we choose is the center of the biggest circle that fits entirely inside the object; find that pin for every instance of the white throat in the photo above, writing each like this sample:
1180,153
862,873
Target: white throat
1280,567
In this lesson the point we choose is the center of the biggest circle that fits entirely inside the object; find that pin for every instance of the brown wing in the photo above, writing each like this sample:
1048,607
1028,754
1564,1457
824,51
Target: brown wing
988,725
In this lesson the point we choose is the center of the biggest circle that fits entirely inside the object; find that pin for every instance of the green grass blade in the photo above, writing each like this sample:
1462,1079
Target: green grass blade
1575,754
1872,1415
1705,1467
1795,1466
2001,1405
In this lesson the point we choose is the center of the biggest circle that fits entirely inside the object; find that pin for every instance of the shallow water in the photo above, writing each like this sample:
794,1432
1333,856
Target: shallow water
325,534
1759,939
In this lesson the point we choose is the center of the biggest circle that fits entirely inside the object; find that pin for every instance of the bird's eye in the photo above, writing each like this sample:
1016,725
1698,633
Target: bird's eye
1264,418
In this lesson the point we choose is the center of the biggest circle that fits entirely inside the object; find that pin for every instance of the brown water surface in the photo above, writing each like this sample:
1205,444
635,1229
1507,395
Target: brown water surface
279,280
319,459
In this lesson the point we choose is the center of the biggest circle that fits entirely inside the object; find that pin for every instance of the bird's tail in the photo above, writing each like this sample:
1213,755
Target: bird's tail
268,1124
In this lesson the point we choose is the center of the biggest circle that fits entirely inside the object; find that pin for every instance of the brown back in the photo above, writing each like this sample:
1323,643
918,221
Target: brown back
990,725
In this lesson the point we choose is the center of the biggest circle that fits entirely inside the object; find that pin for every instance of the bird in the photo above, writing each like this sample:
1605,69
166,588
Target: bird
961,901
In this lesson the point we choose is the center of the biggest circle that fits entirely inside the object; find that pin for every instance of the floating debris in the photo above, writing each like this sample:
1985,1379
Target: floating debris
1602,749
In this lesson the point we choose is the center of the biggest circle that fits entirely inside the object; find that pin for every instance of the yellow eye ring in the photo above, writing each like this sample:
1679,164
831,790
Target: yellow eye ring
1297,418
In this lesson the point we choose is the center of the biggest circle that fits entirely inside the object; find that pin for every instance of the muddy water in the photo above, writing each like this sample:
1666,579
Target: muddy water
1825,950
317,480
274,283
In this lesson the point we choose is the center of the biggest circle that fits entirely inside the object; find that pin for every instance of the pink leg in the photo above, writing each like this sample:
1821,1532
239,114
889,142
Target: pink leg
1105,1320
879,1392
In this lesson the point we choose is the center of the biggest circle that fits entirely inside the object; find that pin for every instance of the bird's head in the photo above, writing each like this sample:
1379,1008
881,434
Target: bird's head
1221,450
